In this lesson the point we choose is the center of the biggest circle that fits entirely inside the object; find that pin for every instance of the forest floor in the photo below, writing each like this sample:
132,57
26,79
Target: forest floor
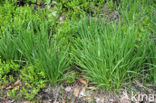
80,92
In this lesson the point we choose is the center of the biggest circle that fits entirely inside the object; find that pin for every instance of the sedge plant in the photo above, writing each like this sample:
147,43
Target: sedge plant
110,54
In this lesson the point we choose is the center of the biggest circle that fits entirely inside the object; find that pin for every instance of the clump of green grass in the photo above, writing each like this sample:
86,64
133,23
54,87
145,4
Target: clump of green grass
142,14
8,50
51,56
111,54
28,37
36,44
53,61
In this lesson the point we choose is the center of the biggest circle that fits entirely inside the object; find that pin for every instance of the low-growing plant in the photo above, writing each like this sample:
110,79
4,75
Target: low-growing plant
20,33
70,77
77,8
24,81
33,80
12,93
141,13
7,67
39,46
111,54
7,10
33,41
53,60
8,50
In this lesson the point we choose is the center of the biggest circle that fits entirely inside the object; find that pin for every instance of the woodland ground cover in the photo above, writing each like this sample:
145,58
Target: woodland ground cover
107,42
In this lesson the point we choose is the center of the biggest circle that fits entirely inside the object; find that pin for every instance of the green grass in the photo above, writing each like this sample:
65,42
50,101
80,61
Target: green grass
142,14
35,43
52,58
26,35
111,54
39,48
8,51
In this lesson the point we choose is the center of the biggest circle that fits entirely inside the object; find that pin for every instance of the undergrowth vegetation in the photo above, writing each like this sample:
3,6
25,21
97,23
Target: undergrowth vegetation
110,42
111,53
18,82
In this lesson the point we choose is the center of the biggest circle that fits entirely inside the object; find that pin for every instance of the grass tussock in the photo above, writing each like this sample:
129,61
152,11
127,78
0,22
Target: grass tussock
36,45
111,54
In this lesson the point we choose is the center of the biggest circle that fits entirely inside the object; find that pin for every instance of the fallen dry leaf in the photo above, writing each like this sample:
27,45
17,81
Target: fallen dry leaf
27,102
3,86
9,87
17,83
91,88
76,92
83,82
87,98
